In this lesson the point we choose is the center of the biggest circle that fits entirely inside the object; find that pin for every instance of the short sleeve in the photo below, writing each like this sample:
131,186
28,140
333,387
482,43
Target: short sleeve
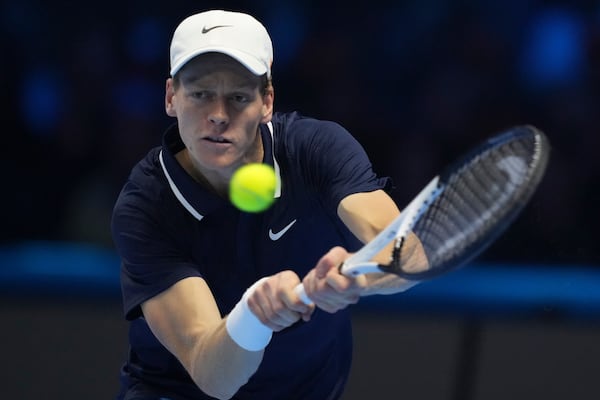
152,259
339,165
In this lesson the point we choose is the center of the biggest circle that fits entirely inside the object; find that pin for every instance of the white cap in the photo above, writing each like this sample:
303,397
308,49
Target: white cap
235,34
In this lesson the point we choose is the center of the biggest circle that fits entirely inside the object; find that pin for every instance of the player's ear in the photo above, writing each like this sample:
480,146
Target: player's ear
169,98
267,108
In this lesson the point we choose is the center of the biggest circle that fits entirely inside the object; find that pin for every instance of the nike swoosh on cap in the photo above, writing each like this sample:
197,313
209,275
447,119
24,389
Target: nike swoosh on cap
276,236
206,30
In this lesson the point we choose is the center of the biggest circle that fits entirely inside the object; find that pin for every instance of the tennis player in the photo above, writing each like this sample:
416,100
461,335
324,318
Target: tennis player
208,289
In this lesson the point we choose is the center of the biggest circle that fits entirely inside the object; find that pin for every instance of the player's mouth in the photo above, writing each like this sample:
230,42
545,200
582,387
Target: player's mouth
217,139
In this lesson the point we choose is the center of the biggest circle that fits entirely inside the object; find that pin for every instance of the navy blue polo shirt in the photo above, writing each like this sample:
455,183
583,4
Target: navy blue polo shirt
167,227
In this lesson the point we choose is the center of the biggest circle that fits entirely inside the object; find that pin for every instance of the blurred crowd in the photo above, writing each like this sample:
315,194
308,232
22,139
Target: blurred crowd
416,82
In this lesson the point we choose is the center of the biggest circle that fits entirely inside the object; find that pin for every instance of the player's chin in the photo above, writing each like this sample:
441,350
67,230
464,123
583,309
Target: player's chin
218,160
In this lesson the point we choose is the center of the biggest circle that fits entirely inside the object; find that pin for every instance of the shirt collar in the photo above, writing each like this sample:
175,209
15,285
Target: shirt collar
195,198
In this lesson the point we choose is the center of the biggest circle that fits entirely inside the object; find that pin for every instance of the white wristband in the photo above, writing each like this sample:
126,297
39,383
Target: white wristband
244,327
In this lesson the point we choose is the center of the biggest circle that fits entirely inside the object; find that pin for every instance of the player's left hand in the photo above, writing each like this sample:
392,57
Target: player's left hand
276,304
328,288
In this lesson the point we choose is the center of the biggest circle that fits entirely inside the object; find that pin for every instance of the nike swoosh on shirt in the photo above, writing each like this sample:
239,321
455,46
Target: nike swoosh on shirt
206,30
276,236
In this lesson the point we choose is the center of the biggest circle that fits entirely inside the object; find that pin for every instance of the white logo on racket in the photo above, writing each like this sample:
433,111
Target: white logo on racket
515,167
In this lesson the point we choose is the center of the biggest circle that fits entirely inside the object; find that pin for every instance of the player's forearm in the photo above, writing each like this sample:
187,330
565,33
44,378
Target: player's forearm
412,258
230,353
220,354
219,366
381,283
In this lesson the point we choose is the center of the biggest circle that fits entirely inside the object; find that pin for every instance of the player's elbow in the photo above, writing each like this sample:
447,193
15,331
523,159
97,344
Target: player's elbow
219,370
218,393
218,379
217,387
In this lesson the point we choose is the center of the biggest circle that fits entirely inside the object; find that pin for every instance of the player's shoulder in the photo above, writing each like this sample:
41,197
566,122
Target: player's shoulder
147,174
146,184
297,123
294,131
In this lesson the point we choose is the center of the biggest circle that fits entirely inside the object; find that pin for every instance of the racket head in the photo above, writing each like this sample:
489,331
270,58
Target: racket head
481,195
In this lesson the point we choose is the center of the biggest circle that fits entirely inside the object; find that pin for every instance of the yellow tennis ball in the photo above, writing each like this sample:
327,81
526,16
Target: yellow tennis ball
252,187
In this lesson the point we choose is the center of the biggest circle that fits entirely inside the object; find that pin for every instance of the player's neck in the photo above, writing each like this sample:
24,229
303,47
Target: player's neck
217,181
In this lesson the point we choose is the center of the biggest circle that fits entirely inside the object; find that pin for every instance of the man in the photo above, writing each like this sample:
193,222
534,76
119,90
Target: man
209,290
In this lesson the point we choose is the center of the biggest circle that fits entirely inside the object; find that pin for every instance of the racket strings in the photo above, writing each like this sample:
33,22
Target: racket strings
450,219
477,198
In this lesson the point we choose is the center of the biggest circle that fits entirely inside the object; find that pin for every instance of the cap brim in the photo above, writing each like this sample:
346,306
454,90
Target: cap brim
248,61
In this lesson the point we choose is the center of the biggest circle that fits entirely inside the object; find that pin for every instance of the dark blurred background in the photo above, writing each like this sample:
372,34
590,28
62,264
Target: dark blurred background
417,82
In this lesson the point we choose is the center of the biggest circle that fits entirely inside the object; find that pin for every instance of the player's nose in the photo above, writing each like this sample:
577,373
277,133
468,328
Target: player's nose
218,114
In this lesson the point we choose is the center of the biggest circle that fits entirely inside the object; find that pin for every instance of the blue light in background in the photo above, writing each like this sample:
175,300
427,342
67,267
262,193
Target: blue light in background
59,268
287,25
42,99
553,51
138,97
147,41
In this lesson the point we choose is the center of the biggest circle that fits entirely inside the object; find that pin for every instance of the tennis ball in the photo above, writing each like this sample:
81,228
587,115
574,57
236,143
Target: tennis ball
252,187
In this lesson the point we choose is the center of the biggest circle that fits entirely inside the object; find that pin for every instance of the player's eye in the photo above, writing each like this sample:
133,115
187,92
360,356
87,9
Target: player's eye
240,98
201,94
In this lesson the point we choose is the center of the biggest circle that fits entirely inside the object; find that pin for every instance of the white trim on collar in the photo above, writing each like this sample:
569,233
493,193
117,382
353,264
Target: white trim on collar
275,164
176,191
189,207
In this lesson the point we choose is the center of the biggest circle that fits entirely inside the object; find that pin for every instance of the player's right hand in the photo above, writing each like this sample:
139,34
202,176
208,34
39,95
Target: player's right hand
328,288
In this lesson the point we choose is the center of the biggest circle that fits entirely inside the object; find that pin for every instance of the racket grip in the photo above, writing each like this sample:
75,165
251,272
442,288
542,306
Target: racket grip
302,294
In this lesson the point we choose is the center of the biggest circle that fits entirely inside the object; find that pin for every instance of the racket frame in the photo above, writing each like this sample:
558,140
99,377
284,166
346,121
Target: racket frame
397,230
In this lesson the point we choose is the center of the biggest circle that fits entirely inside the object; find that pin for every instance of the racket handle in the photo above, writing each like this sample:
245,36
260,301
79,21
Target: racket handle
302,294
360,268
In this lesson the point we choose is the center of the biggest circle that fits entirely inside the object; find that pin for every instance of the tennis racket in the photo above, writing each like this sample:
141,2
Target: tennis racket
463,209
